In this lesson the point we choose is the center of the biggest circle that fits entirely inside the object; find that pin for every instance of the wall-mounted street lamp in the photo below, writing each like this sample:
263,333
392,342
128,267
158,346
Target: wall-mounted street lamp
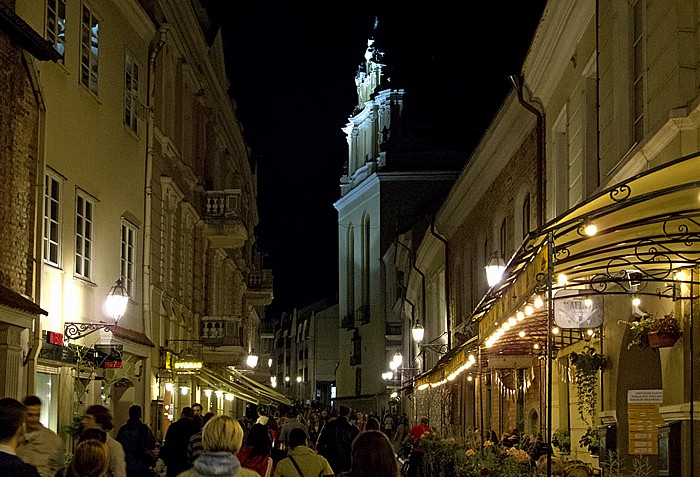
117,300
418,332
252,359
495,269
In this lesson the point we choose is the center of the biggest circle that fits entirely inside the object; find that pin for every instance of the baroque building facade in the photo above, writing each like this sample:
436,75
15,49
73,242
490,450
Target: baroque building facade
145,179
392,179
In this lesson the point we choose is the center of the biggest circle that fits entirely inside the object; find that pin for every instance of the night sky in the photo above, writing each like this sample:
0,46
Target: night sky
292,67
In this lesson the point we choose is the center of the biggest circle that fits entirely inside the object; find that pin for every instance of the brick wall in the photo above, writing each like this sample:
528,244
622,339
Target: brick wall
19,116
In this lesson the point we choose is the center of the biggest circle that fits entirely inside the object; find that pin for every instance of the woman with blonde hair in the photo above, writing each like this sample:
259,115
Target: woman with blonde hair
222,438
91,459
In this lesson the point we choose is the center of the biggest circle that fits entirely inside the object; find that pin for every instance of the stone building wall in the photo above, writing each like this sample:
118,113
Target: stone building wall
19,119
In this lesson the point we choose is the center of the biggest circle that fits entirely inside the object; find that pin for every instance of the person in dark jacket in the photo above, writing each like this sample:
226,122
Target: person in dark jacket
174,451
335,440
138,442
12,416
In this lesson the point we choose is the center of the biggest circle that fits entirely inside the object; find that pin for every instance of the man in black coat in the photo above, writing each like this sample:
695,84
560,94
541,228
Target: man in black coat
138,442
335,440
12,416
174,451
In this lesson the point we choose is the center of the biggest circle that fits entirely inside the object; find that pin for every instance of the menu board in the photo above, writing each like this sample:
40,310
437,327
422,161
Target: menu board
643,418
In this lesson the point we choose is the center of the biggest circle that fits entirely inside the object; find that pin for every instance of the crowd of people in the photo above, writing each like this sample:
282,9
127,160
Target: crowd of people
298,442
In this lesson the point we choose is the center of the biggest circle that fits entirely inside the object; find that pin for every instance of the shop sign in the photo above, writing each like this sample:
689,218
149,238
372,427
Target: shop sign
54,338
643,418
109,356
578,309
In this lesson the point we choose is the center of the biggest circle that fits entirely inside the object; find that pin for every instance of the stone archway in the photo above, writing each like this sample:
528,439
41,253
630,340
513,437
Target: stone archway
532,425
123,396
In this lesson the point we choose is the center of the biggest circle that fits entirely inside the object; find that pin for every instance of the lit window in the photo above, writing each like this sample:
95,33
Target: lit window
89,49
128,256
131,93
83,236
52,219
56,24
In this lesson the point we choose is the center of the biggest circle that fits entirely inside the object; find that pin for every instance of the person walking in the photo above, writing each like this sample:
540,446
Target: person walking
256,453
194,447
292,422
198,417
138,442
388,424
222,437
99,417
301,460
91,459
372,455
402,431
12,416
335,440
422,429
40,447
174,451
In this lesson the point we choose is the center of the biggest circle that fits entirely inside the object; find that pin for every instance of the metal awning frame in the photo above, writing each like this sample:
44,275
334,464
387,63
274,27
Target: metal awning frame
648,229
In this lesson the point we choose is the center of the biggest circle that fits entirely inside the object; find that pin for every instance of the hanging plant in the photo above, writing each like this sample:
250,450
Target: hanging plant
664,331
586,366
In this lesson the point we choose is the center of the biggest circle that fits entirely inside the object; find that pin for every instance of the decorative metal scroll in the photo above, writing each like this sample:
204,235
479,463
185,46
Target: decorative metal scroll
74,331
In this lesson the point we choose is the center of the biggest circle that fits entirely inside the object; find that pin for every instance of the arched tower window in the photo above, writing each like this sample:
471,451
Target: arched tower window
350,271
365,260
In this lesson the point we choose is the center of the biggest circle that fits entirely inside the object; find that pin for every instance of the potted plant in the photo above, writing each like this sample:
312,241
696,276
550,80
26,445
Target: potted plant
561,439
591,441
654,332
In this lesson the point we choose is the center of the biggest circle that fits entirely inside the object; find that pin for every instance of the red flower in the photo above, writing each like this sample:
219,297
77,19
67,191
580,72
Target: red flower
485,471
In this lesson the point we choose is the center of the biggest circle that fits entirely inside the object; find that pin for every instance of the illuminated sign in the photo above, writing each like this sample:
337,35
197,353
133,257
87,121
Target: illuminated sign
578,309
54,338
109,356
187,365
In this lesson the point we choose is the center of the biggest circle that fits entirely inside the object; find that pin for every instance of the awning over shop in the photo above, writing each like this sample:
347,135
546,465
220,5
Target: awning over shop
236,383
271,394
648,227
220,382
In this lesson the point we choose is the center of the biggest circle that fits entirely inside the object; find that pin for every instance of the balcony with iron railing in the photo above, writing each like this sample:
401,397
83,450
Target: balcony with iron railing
394,330
225,224
267,330
223,340
259,291
393,334
221,331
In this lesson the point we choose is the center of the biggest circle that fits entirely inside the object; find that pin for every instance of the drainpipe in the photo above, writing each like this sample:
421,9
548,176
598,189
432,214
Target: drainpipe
155,49
38,259
517,84
422,275
447,283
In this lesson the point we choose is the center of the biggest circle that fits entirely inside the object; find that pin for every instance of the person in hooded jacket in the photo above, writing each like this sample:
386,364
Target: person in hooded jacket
222,438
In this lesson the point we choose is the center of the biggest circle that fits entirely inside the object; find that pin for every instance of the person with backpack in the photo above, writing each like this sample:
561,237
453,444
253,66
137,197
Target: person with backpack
139,443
